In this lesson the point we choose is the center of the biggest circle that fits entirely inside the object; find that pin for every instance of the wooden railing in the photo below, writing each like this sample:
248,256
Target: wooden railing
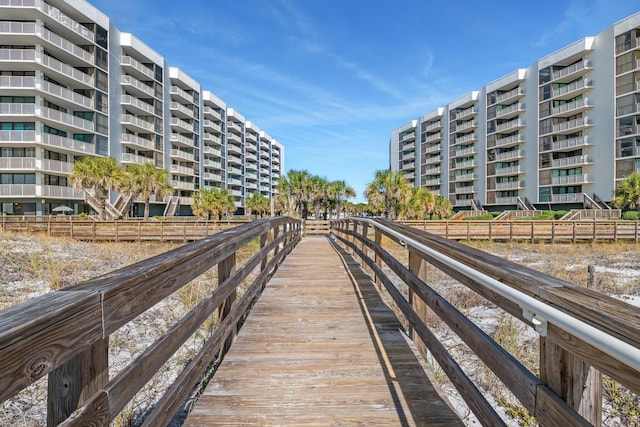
66,334
316,227
531,230
582,332
174,230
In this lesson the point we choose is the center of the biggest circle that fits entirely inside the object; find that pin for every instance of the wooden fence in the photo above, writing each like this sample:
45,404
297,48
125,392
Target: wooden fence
569,389
119,230
66,334
531,230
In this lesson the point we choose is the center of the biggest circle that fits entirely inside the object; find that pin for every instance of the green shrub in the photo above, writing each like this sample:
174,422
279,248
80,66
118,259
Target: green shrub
159,218
559,214
479,217
630,215
495,213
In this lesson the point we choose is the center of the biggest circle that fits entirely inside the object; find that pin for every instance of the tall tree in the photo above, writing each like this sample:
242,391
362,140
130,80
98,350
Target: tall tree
145,180
212,201
293,192
628,192
101,175
338,192
257,204
388,192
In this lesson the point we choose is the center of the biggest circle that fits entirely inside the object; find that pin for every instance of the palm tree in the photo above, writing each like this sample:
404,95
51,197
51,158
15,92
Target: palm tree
388,192
338,193
293,192
101,175
257,204
442,206
212,201
316,193
628,192
420,204
146,180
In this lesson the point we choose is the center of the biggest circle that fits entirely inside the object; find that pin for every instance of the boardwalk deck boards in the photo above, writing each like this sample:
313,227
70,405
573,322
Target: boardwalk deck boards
321,348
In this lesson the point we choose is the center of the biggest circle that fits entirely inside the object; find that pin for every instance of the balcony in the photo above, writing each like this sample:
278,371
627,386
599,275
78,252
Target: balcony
465,164
435,137
583,178
135,86
67,46
511,110
507,201
212,151
212,114
571,71
572,108
58,192
180,94
469,189
466,138
432,149
212,126
567,198
510,140
432,171
232,137
571,88
133,158
236,128
67,119
133,65
251,157
182,185
408,147
466,125
466,177
213,177
234,149
408,137
179,154
17,109
509,155
68,72
510,95
571,125
468,112
571,161
234,170
179,110
432,182
511,185
213,139
510,125
138,105
68,144
433,159
571,143
136,122
181,125
208,163
186,201
55,166
178,139
433,126
181,170
18,190
137,142
234,181
510,170
465,152
17,163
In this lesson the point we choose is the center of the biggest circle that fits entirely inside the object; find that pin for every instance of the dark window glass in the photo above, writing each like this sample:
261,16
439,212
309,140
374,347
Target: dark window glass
102,102
158,72
102,58
102,124
102,145
102,81
102,37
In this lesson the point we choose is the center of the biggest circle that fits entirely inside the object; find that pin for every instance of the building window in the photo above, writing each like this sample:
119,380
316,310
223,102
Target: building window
53,131
18,178
102,37
17,126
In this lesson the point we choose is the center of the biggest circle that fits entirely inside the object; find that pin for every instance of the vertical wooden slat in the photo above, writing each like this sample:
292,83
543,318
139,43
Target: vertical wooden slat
572,380
417,266
378,237
225,270
73,383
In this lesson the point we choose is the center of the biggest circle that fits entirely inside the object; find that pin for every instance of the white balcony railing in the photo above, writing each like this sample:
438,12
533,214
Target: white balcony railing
126,60
17,163
138,141
582,178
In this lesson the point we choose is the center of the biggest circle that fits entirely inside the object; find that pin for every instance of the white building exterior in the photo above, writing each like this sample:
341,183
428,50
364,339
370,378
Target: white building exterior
72,85
555,134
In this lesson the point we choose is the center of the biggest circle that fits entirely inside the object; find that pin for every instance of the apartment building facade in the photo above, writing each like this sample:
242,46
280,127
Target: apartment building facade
72,85
558,134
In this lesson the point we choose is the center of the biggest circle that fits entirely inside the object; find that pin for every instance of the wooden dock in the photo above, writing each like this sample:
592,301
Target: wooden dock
321,348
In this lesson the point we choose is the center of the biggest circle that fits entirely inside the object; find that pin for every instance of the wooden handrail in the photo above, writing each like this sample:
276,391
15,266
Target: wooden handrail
66,333
548,397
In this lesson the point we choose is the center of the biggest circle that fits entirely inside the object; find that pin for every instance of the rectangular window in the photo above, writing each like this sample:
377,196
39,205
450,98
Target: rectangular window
102,124
102,145
102,37
17,126
84,137
102,81
53,131
102,102
102,58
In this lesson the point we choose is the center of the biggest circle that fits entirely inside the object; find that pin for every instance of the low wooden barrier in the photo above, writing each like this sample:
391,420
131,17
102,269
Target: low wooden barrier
316,227
119,230
597,333
66,334
527,230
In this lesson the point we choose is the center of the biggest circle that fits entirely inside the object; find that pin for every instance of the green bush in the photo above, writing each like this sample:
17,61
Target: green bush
159,218
495,213
559,214
479,217
630,215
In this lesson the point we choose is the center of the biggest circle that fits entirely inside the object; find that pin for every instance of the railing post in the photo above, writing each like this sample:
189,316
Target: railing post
72,384
417,266
225,270
263,242
378,237
574,381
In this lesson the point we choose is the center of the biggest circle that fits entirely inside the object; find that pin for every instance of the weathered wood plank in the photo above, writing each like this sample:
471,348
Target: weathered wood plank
306,354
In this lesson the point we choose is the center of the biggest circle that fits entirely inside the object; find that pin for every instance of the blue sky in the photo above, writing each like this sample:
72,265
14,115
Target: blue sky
330,79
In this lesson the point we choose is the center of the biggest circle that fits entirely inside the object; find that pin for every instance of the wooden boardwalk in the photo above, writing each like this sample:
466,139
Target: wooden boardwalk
321,348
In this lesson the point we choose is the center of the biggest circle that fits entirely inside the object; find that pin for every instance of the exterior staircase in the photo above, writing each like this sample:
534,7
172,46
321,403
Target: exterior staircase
110,211
172,206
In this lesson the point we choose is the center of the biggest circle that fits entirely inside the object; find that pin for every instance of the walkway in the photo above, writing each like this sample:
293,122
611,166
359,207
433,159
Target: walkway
321,348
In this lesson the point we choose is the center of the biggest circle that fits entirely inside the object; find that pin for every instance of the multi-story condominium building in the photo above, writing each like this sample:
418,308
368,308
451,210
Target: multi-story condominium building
72,85
536,136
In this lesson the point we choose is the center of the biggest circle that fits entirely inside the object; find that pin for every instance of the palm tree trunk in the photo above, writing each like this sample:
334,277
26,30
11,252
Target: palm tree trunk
146,207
